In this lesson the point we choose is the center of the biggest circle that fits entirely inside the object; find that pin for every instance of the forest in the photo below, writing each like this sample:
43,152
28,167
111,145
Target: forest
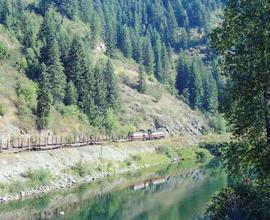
156,34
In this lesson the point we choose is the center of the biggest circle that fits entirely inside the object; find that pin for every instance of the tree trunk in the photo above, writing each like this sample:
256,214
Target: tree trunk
267,113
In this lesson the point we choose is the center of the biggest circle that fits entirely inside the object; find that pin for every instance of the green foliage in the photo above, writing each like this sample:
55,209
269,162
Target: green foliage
243,202
3,110
44,101
81,169
4,52
27,100
218,123
167,150
141,87
39,177
71,97
112,123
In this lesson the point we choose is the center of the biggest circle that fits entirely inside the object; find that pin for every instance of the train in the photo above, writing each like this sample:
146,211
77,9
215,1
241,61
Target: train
144,135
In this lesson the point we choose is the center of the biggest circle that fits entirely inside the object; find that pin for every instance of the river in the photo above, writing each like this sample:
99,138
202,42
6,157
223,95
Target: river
174,192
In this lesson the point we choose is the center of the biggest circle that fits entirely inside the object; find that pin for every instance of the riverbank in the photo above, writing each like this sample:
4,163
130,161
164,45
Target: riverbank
28,174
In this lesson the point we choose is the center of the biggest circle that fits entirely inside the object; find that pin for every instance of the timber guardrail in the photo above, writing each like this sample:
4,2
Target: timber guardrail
54,142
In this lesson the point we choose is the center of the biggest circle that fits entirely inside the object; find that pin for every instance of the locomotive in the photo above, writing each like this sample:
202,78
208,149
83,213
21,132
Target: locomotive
143,135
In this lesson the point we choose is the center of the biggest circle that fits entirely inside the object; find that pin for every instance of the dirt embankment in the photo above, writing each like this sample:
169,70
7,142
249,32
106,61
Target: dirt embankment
71,166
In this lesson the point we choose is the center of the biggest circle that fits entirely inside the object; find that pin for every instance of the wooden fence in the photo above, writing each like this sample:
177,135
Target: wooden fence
54,142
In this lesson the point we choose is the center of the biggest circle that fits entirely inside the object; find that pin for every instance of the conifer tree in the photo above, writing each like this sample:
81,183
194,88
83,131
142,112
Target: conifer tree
110,39
71,96
111,86
148,57
210,99
141,87
100,95
77,68
195,86
44,100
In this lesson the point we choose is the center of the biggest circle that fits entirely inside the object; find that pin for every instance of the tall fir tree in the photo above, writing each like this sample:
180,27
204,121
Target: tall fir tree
44,100
112,96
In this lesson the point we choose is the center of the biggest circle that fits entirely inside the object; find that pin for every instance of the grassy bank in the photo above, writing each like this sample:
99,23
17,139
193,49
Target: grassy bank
136,155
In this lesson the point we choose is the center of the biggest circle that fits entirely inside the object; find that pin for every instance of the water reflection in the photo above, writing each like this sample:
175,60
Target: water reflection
173,192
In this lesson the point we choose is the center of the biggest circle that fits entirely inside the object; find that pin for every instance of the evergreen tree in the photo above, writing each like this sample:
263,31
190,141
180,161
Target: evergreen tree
195,86
71,94
100,95
77,68
183,71
111,86
141,87
44,100
55,70
210,100
110,39
125,42
148,57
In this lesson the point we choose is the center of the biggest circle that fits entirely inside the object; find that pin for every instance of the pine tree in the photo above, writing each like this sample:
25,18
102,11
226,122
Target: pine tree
195,86
110,39
111,86
158,59
100,95
149,60
141,87
44,100
71,96
210,99
77,68
183,71
125,42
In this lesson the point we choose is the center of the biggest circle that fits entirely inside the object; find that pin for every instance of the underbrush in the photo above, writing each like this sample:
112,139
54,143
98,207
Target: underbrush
3,110
39,177
33,179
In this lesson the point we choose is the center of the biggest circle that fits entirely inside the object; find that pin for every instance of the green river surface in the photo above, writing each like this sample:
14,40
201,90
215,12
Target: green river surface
175,192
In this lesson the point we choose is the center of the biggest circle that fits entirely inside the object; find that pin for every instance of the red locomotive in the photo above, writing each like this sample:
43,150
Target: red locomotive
143,135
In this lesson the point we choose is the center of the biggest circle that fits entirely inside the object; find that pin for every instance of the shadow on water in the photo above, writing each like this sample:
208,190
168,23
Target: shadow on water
177,191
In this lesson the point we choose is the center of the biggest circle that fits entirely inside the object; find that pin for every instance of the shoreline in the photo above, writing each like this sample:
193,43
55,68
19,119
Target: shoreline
99,162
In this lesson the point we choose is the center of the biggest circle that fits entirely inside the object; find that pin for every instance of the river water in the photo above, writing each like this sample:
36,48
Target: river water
172,192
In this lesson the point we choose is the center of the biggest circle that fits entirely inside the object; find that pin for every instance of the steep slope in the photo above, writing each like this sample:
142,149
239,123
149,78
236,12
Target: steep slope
155,109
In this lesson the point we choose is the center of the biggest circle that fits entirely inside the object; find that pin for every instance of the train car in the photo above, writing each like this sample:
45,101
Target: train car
146,135
138,136
156,135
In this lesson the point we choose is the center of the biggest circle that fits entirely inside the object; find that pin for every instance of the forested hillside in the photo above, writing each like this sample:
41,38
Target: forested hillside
73,50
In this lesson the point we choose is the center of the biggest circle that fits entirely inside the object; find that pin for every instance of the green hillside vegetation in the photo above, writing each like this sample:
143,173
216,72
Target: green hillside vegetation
71,66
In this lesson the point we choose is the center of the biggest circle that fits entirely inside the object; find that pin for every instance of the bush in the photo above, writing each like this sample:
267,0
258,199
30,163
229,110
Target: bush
39,177
136,157
218,123
200,156
16,187
27,98
4,52
168,151
81,169
3,110
241,202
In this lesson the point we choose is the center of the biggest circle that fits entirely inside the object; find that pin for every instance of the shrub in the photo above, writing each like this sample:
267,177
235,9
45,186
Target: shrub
81,169
4,52
200,156
3,110
27,98
136,157
16,186
39,177
168,151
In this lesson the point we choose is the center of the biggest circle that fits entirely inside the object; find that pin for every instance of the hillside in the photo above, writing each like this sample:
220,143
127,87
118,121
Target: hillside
60,74
139,111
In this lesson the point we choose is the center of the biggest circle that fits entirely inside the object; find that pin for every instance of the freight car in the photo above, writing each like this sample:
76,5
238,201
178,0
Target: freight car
143,135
